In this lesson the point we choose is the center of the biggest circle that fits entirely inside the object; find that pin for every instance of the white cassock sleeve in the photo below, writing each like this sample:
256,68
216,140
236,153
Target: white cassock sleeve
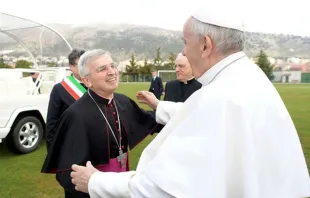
165,110
222,146
99,185
124,186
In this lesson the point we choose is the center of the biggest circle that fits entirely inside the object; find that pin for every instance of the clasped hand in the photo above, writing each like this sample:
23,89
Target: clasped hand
80,176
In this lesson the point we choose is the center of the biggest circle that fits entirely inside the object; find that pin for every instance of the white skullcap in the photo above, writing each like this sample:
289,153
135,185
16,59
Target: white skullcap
214,13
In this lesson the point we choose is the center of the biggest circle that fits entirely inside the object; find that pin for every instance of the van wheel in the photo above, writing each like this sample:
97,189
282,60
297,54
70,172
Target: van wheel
26,135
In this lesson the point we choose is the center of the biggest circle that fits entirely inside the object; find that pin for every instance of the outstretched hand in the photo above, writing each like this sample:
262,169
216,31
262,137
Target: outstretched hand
81,175
147,98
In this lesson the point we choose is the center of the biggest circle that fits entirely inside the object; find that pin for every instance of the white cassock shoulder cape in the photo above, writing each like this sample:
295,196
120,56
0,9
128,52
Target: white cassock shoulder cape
233,138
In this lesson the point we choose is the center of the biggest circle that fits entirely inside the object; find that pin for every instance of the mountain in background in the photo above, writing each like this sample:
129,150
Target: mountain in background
123,40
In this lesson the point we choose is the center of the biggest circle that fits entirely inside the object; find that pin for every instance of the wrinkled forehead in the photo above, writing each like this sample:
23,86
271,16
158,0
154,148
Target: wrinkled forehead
186,28
100,61
187,33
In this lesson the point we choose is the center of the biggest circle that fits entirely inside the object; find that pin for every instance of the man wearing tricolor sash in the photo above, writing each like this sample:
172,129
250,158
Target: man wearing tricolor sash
100,127
73,87
64,94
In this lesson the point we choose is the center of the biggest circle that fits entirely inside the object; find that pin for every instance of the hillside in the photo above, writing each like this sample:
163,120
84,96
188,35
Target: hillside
123,40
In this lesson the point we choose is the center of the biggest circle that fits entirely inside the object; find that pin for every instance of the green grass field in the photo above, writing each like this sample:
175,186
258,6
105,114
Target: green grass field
20,175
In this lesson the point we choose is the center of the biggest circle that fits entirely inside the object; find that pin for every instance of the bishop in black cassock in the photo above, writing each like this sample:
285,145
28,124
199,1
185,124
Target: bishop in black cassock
181,89
178,91
84,135
185,85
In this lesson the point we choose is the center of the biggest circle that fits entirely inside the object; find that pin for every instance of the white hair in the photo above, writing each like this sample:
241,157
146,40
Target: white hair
179,55
89,55
226,40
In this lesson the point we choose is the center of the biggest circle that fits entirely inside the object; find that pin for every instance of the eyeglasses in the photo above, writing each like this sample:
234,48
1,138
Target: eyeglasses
104,68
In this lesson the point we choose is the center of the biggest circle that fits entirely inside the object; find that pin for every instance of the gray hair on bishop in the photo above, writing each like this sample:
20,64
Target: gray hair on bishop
180,54
225,39
88,56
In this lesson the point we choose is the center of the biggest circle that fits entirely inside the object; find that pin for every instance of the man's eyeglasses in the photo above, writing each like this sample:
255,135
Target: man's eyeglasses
105,67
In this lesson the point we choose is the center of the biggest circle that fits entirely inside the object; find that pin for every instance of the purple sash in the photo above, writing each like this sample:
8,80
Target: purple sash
113,166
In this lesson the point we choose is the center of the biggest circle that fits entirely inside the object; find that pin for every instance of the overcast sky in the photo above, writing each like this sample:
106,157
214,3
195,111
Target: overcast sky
270,16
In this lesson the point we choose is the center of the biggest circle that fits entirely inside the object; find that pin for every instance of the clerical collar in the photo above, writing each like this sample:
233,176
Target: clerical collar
208,76
188,81
99,99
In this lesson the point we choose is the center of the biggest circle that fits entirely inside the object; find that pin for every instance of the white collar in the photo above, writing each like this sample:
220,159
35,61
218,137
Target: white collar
110,100
185,82
208,76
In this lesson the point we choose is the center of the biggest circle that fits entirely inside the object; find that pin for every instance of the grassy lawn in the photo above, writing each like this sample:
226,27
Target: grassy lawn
20,174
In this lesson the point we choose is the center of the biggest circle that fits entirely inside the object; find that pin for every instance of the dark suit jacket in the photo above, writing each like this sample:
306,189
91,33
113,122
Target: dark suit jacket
157,87
176,91
59,101
34,80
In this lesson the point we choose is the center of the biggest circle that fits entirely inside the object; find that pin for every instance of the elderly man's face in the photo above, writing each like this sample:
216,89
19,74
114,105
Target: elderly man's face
195,50
182,68
103,74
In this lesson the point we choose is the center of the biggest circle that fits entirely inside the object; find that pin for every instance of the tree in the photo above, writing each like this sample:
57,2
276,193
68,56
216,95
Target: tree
265,65
158,59
171,62
1,58
146,69
2,64
132,69
51,64
23,64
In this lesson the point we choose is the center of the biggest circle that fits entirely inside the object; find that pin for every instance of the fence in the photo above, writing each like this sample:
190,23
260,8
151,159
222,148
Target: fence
305,78
135,78
291,77
147,78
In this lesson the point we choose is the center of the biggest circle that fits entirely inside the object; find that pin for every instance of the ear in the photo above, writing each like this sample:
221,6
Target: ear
70,66
86,82
207,46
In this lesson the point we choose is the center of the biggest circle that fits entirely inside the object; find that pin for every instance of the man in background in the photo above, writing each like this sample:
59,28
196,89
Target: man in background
185,85
156,85
35,76
63,95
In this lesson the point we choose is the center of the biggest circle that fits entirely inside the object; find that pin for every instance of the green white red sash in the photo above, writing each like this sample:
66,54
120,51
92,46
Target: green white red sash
73,87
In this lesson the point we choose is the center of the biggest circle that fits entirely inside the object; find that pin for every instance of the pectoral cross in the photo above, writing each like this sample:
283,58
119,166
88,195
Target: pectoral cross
121,158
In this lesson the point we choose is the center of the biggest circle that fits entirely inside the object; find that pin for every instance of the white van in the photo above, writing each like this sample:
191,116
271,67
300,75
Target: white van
23,105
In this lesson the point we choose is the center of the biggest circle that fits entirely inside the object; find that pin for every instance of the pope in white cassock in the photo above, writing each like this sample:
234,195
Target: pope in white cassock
233,138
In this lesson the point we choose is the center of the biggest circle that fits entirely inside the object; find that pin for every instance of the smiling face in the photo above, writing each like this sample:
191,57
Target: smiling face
182,68
103,75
